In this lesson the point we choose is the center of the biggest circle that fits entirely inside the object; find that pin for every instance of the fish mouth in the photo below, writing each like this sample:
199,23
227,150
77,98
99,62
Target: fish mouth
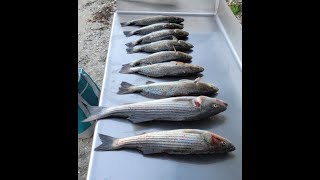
231,148
225,104
222,103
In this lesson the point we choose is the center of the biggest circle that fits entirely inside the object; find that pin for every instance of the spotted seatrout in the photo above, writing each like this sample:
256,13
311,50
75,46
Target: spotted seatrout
162,56
185,108
172,68
180,141
163,45
152,20
182,87
159,35
152,28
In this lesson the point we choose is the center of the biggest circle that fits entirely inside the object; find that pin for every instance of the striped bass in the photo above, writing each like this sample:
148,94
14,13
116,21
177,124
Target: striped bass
185,108
180,141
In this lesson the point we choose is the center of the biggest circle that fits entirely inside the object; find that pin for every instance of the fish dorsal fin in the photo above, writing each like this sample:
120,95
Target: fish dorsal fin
150,82
197,80
174,38
174,49
185,98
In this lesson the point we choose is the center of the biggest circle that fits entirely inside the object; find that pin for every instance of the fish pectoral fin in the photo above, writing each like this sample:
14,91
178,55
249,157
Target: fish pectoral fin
150,150
198,79
149,82
139,118
174,38
174,49
153,96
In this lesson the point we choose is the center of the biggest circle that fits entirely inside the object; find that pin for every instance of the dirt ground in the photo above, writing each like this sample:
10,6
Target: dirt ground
94,25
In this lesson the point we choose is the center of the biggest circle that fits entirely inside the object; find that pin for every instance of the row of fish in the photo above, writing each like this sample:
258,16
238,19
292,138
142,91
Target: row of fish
182,100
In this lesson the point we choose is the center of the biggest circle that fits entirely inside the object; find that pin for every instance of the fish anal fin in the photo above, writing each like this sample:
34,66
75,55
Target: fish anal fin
150,82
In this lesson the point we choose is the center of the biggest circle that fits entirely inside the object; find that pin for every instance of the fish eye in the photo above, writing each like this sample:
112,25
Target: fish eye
215,105
223,143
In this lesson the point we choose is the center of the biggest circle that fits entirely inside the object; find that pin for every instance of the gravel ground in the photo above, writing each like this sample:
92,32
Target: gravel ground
94,25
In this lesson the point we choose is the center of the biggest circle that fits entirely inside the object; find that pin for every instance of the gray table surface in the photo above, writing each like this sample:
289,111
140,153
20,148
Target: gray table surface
210,51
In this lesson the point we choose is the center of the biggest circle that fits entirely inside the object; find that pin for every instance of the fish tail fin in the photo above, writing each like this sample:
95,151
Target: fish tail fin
131,44
107,143
131,50
126,69
96,113
96,109
127,33
94,117
125,88
125,24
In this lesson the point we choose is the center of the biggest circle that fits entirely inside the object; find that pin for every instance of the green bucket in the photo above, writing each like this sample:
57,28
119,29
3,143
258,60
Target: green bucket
88,94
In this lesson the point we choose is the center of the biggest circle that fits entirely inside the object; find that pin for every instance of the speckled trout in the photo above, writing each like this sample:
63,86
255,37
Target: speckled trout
183,87
152,28
180,141
163,45
160,57
159,35
172,68
152,20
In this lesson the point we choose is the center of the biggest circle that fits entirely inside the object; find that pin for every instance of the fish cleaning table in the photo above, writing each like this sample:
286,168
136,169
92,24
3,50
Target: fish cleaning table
216,36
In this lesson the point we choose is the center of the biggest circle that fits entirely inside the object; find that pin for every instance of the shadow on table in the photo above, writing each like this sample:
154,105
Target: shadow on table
166,125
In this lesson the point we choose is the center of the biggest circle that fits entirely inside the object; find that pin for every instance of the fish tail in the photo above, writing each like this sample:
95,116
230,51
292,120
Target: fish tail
125,24
128,33
96,113
126,69
107,143
131,50
131,44
125,88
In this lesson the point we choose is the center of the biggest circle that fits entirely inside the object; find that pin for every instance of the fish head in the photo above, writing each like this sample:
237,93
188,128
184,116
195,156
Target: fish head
185,44
207,87
194,68
181,33
178,19
183,55
173,26
212,105
218,144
